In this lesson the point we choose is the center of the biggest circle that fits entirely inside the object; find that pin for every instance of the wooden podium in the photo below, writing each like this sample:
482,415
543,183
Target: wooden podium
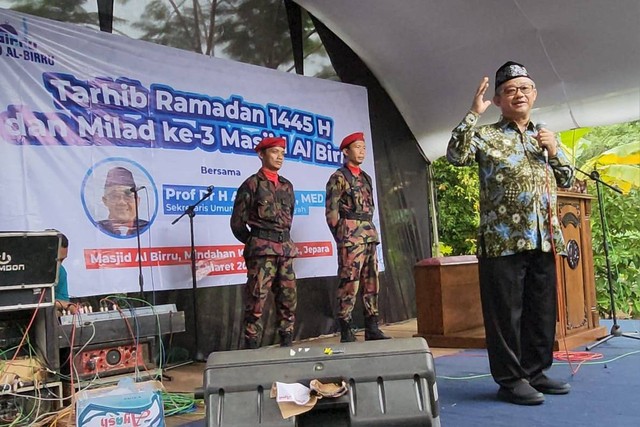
578,319
448,292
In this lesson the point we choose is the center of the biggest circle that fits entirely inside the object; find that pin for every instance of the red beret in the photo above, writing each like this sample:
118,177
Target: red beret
269,142
349,139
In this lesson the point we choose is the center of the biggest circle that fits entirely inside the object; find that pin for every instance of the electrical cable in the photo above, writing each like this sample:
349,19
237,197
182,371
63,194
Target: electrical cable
179,403
572,357
25,338
72,367
126,321
33,317
124,301
630,353
175,403
162,352
595,359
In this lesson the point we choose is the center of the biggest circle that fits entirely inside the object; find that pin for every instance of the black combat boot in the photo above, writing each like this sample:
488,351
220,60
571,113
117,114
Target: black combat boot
251,343
371,330
286,339
346,331
249,327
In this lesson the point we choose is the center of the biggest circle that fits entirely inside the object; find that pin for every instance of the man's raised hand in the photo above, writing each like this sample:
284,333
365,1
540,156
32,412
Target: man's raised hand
479,105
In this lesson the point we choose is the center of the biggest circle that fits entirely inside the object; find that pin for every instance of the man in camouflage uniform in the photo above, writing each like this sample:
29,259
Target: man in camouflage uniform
349,213
261,219
520,165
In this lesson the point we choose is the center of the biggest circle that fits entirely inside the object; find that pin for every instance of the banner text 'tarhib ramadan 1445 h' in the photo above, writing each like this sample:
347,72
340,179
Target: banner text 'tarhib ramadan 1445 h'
79,107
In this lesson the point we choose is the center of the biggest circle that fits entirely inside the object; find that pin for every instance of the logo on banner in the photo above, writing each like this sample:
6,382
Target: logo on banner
18,46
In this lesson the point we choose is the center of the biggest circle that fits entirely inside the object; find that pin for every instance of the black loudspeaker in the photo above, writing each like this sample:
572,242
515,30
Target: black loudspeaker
390,383
28,259
28,269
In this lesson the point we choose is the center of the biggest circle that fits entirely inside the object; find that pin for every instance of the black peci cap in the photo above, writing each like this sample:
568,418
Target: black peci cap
510,70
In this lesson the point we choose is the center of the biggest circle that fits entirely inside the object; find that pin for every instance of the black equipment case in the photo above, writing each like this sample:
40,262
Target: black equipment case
390,383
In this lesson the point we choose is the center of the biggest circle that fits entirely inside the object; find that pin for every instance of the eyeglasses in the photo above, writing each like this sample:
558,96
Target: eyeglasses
117,196
512,90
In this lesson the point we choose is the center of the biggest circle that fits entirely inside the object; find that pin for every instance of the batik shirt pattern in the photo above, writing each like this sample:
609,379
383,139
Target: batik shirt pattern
516,186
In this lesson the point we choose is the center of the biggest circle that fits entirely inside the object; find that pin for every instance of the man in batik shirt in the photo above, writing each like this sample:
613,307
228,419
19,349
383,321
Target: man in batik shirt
261,219
349,213
520,165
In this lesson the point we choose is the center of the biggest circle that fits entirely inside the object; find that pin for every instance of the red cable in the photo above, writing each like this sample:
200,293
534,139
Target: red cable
26,332
71,364
549,211
576,356
133,336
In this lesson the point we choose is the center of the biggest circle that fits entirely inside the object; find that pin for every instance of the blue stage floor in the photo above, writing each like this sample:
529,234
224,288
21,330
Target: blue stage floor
604,392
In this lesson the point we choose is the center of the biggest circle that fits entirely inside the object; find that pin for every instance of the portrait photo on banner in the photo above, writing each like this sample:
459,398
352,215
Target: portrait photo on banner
114,192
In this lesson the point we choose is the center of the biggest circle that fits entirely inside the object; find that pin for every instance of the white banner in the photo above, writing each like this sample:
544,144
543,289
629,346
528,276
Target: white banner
80,110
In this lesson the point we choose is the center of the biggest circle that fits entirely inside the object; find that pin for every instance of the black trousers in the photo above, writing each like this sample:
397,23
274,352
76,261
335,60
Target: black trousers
519,305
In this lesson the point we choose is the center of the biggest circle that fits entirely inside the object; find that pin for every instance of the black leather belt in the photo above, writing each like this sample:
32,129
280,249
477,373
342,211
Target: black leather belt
356,215
274,236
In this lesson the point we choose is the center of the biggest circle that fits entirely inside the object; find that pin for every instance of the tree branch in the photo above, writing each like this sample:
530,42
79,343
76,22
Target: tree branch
185,25
212,28
196,24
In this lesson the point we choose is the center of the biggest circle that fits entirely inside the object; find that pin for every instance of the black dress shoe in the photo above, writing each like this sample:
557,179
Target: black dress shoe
546,385
521,394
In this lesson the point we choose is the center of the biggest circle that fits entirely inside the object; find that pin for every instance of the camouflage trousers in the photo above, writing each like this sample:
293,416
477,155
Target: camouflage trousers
357,265
266,273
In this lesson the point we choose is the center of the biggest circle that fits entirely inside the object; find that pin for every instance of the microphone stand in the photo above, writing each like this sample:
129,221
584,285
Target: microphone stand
190,211
616,331
140,276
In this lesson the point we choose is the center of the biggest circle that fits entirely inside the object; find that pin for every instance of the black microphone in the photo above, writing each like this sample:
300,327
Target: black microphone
210,189
539,127
135,189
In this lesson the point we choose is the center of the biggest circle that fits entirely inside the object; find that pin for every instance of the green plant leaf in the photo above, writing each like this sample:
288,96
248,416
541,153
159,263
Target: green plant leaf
570,138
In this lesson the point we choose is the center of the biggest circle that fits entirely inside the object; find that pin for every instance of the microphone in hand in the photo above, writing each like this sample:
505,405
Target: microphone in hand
545,152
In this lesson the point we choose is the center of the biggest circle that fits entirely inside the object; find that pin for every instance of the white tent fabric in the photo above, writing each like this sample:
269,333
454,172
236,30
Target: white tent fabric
430,56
